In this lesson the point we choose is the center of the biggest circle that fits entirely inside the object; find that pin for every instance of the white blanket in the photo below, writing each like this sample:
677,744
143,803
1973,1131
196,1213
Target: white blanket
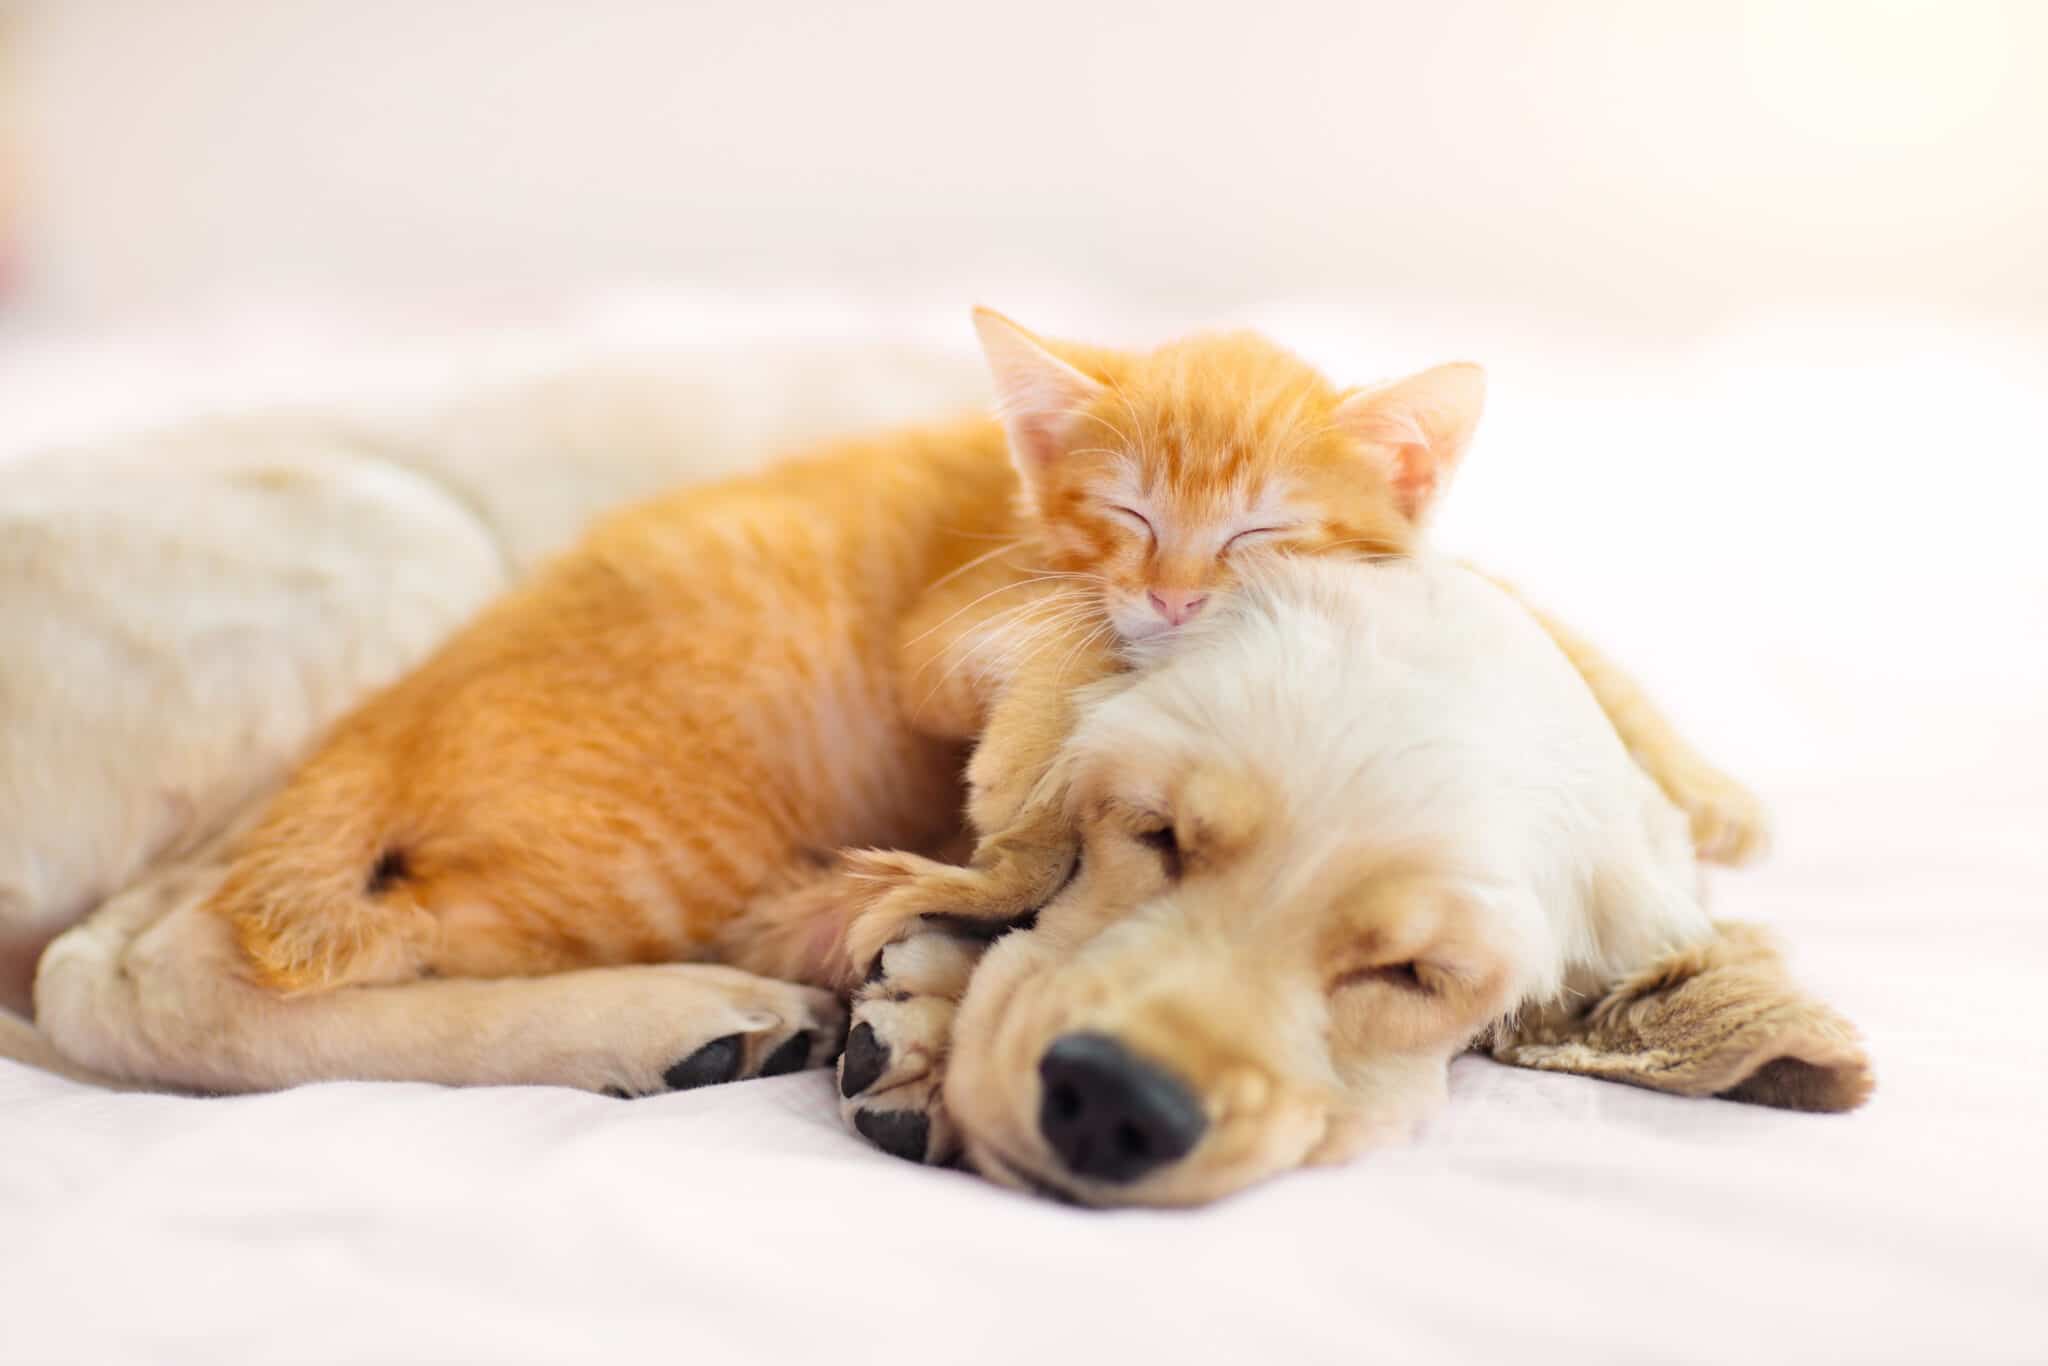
1753,577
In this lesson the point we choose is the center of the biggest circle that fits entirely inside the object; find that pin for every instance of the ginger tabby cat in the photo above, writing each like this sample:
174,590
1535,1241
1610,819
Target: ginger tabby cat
650,751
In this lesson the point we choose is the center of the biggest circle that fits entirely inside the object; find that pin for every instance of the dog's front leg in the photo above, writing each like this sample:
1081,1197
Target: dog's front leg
918,939
920,942
926,922
893,1072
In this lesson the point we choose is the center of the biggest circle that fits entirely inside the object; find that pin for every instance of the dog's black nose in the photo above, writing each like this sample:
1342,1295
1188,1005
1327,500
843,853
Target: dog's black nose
1109,1114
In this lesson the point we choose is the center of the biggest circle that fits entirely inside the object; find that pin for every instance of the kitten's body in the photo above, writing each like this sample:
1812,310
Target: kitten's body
612,761
650,752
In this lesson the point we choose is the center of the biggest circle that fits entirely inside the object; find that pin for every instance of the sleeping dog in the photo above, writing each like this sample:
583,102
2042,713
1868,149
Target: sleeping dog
1358,822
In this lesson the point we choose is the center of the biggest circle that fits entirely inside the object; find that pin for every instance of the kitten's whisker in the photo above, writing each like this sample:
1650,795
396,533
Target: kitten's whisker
1050,577
1064,611
1026,645
1114,430
998,647
974,563
1003,588
1052,599
1012,644
1079,645
1131,444
1031,646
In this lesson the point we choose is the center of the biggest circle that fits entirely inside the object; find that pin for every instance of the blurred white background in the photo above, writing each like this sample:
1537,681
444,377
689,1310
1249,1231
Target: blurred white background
1633,166
1761,285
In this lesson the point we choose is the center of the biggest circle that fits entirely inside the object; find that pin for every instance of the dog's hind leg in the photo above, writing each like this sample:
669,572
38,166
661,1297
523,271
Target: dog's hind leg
154,989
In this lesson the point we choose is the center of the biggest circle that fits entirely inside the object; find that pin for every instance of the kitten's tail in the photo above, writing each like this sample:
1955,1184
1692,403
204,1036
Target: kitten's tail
325,893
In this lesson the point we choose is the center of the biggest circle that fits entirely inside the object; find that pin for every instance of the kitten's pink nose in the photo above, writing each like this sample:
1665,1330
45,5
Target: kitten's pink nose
1177,604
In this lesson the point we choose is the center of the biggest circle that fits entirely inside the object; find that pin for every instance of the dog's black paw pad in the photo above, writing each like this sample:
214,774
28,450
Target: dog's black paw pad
867,1057
899,1133
715,1062
791,1055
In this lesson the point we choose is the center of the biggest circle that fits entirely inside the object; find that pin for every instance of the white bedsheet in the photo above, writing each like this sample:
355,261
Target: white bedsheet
1540,1218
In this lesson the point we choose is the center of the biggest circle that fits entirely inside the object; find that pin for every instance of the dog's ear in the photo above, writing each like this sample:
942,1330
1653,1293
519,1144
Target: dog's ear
1719,1018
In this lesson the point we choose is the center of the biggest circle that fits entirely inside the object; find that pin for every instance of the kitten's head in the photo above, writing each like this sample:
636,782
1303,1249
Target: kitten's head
1153,476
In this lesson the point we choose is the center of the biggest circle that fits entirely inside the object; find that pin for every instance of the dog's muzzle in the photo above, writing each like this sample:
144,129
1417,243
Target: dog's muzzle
1110,1115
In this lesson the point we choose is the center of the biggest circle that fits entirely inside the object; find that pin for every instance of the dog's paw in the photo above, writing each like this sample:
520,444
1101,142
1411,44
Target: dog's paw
762,1028
893,1070
1730,823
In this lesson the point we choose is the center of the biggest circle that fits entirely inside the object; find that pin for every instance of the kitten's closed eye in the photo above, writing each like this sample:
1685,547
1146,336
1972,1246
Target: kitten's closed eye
1136,518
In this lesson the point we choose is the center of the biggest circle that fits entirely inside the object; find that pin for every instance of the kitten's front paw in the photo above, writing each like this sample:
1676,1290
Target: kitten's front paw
894,1068
1730,823
916,894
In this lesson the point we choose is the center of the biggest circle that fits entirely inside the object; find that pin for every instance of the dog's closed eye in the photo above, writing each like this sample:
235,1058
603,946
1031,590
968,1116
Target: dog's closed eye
1163,841
1405,976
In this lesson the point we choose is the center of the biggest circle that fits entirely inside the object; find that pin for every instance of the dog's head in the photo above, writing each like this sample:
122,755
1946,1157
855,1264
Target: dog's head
1273,944
1193,1013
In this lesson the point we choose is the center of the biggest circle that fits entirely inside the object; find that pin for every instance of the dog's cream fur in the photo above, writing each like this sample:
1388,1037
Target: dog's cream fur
181,614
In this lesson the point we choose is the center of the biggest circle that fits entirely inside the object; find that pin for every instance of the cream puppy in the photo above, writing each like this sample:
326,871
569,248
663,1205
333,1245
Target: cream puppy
1329,838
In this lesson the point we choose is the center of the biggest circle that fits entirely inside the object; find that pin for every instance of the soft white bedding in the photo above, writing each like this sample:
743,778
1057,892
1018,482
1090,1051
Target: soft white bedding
1777,534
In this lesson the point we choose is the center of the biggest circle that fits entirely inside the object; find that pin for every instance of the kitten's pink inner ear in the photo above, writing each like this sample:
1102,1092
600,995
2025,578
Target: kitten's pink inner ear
1039,397
1417,428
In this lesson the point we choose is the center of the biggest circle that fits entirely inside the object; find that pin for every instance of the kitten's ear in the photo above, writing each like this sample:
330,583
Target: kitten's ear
1417,428
1037,394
